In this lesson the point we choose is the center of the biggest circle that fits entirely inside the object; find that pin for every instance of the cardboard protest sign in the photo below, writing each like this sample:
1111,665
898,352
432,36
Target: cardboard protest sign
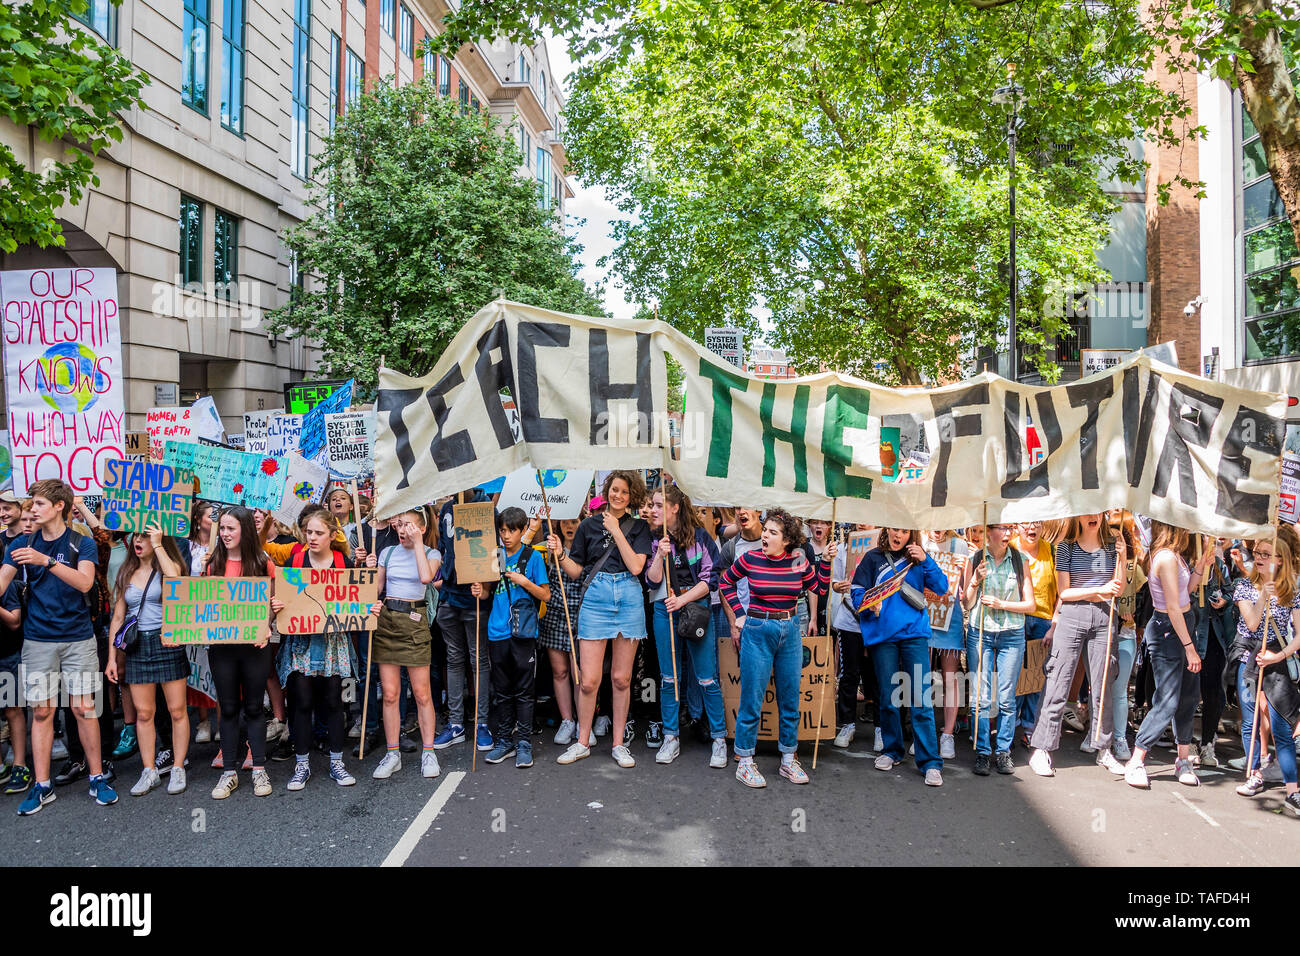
256,426
63,374
302,397
326,600
305,483
230,476
141,494
940,608
593,393
475,542
1032,679
350,443
282,433
311,441
200,610
566,492
818,671
168,424
137,445
860,542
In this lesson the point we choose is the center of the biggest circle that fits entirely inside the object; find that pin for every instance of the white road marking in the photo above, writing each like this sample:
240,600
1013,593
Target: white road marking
1198,811
420,825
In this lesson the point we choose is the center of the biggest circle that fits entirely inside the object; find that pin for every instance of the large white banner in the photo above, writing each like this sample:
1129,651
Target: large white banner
63,374
592,393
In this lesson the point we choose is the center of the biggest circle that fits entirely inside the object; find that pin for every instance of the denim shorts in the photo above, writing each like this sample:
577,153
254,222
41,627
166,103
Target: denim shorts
614,605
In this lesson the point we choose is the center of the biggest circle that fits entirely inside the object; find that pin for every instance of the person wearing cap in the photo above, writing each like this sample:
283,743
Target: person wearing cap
11,513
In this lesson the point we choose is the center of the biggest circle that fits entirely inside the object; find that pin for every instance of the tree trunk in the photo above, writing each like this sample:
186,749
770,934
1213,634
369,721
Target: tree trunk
1270,99
907,373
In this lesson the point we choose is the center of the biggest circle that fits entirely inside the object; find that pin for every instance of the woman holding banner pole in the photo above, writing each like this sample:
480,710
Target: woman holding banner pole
609,553
1090,566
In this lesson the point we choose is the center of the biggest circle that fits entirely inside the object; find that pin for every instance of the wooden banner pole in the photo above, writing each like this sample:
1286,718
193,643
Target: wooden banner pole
559,572
830,645
1256,723
668,584
1110,620
979,678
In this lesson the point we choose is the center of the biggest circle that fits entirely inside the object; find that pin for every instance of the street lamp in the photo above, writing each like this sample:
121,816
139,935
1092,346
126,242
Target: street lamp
1012,95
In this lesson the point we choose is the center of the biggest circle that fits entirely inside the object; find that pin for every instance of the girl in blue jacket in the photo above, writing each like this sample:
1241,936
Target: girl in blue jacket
898,631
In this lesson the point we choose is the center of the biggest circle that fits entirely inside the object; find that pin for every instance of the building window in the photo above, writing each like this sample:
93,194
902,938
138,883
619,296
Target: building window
525,69
473,103
430,65
464,98
406,30
100,16
542,77
444,76
355,79
225,255
336,71
191,242
386,15
232,65
299,133
194,58
543,178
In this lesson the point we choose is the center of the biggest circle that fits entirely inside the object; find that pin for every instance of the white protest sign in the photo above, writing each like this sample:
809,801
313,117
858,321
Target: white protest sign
566,492
282,435
350,443
169,424
206,419
726,343
256,425
304,484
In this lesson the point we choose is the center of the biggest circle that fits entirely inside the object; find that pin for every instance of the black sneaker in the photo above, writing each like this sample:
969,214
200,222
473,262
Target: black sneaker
373,742
654,737
109,773
164,762
407,745
71,771
981,765
700,730
1292,802
1004,762
629,733
282,751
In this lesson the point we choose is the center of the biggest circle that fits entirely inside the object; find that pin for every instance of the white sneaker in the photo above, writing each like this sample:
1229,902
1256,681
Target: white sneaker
261,783
846,735
1208,759
601,726
933,778
391,763
1107,759
275,729
568,730
879,743
354,732
177,782
884,762
1186,773
719,759
149,778
203,734
1040,762
226,785
1135,775
429,764
668,750
623,757
1085,744
575,753
947,747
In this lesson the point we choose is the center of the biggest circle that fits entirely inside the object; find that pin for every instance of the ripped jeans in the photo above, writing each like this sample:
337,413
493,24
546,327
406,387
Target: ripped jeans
704,660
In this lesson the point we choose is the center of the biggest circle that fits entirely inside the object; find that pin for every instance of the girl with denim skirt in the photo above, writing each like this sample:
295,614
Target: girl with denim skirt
770,638
694,575
949,642
608,554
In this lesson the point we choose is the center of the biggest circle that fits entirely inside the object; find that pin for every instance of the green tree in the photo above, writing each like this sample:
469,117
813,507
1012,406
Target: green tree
56,77
421,220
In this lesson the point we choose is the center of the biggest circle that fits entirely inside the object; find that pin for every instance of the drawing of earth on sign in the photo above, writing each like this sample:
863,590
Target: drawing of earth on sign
554,477
304,490
67,377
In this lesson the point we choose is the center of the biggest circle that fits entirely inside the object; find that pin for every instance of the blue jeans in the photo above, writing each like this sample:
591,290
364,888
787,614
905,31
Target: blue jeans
1286,760
1027,704
1117,696
1003,652
703,655
906,663
763,645
1178,690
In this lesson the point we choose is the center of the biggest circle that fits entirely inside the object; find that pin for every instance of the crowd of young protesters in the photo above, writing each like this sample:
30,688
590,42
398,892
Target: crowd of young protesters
1129,617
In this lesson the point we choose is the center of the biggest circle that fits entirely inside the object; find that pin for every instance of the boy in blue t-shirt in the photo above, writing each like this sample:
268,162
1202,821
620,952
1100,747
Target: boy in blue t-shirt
512,639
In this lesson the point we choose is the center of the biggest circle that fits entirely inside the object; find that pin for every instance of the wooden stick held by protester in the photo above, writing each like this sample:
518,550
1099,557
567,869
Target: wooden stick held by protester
1117,528
830,648
979,679
559,576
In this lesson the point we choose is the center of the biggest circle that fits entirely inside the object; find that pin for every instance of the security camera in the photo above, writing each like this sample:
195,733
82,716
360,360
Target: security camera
1191,308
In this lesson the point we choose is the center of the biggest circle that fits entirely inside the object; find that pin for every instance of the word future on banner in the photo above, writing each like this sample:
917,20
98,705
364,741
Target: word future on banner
215,611
1144,436
256,426
566,492
326,600
63,374
169,424
141,494
349,443
230,476
475,542
818,671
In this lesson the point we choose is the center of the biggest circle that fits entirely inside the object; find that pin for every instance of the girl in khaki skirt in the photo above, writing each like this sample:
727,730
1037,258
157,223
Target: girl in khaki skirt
402,637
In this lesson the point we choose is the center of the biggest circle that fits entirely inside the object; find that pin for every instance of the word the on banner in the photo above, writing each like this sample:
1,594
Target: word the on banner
818,671
302,397
326,600
1144,436
940,607
475,542
63,374
566,492
282,433
169,424
304,484
215,611
230,476
349,443
139,495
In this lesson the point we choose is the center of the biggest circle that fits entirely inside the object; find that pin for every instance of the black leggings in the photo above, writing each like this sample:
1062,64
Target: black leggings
240,673
306,694
1213,698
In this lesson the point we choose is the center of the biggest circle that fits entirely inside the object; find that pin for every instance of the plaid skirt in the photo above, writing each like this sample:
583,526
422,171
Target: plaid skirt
148,662
552,630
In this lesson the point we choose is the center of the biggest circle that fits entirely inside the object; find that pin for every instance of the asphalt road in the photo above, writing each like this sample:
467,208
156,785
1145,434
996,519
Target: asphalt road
593,812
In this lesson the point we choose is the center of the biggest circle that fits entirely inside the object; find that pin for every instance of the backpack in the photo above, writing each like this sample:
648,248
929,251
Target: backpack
1017,565
523,616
